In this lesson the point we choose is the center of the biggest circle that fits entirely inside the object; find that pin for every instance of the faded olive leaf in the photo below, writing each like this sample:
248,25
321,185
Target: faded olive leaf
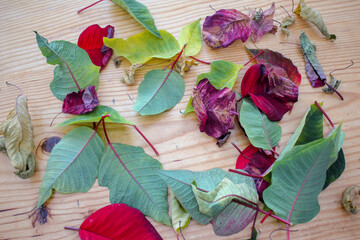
180,218
2,145
333,83
184,64
350,195
191,36
18,138
315,17
286,23
128,77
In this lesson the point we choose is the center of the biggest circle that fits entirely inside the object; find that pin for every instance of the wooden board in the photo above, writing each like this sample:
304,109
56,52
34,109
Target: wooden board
180,143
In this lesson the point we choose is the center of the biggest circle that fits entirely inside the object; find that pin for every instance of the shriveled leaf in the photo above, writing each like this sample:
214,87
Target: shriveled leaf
96,115
298,179
214,108
336,169
134,181
144,46
140,13
286,23
180,218
91,40
156,95
117,221
224,27
261,22
315,17
350,199
184,64
74,64
262,132
81,102
18,140
191,36
128,75
73,164
334,83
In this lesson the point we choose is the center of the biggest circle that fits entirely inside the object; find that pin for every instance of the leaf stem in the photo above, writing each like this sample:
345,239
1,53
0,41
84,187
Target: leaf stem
241,153
196,59
352,63
89,6
261,52
286,11
246,174
15,86
143,136
336,91
71,228
265,217
324,113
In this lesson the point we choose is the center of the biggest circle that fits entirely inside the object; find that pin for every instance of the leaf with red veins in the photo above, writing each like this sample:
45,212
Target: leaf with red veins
117,221
91,40
282,88
81,102
224,27
261,22
214,108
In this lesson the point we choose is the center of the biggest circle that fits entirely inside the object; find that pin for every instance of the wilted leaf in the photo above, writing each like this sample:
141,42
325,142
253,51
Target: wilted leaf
81,102
74,65
180,218
184,64
351,195
313,16
128,77
261,22
191,36
91,40
18,140
144,46
333,83
117,221
134,181
286,23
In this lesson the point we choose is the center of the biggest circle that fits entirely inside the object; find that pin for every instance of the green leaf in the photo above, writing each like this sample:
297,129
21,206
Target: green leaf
73,62
73,164
191,36
134,181
336,169
157,94
95,116
144,46
140,13
180,182
262,132
180,218
298,179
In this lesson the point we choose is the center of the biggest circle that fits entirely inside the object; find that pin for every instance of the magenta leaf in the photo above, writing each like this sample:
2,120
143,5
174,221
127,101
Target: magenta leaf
224,27
81,102
117,221
261,22
91,40
214,108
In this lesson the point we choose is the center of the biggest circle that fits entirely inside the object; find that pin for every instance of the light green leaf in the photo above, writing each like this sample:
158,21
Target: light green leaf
144,46
73,164
140,13
73,62
155,95
96,115
262,132
134,181
189,107
191,36
179,217
180,182
298,179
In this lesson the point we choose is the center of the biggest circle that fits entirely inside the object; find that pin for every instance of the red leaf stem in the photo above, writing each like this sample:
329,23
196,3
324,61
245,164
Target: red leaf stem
242,154
143,136
89,6
71,228
265,217
14,86
246,174
261,52
323,112
336,91
196,59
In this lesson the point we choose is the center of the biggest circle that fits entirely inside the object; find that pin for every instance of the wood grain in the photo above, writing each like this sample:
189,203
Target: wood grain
176,137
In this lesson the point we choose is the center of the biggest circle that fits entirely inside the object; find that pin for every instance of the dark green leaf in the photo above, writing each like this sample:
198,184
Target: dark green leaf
335,170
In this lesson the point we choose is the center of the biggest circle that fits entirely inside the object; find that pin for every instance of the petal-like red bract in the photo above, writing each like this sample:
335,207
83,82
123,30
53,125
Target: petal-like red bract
214,108
117,222
261,22
81,102
91,40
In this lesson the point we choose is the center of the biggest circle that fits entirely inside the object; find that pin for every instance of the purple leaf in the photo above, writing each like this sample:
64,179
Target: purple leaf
81,102
261,22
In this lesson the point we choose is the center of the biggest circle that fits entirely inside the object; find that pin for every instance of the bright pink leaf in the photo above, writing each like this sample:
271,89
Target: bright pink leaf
261,22
81,102
117,222
91,40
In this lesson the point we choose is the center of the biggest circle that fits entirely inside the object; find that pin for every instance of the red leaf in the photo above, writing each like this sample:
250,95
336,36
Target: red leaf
117,221
81,102
91,40
261,22
252,79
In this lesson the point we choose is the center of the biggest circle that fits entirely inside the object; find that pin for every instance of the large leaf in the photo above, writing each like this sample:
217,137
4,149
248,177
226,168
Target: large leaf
336,169
141,14
74,64
180,182
262,132
96,115
298,179
134,181
157,94
191,36
73,164
117,221
144,46
180,219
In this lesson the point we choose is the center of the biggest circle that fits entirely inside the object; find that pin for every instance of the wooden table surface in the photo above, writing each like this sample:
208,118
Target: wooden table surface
177,137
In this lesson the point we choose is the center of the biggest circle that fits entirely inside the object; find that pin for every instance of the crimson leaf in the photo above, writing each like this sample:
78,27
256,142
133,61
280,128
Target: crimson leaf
81,102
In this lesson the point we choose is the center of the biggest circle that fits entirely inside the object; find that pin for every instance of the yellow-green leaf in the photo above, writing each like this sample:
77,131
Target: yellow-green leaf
191,36
144,46
180,218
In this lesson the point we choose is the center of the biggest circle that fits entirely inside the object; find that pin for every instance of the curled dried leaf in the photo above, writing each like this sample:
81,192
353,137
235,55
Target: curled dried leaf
262,22
334,83
286,23
184,64
351,195
128,77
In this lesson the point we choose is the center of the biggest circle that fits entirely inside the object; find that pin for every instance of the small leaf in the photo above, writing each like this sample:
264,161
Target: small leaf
191,36
73,164
144,46
134,181
336,169
262,132
315,17
261,22
96,115
286,23
334,83
81,102
157,94
180,218
189,107
350,199
117,221
74,67
140,13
